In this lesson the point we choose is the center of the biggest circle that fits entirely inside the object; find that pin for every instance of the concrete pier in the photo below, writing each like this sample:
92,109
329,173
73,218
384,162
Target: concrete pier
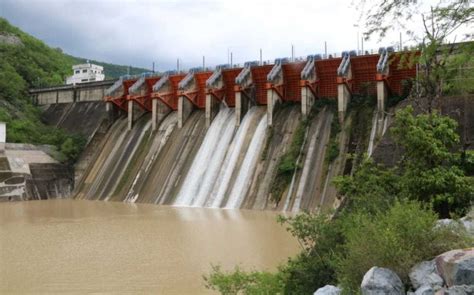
185,108
159,111
131,114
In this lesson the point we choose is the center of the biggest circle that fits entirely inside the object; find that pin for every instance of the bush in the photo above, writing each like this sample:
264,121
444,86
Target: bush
397,239
241,282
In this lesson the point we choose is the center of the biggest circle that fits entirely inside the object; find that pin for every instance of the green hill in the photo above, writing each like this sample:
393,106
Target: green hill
27,62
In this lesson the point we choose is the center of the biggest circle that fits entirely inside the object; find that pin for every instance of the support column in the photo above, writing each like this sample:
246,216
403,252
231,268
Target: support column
212,108
272,102
185,108
241,107
382,95
307,101
130,114
343,98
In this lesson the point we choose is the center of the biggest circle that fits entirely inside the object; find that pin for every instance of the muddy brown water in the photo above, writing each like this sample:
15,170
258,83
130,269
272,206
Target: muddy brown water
77,246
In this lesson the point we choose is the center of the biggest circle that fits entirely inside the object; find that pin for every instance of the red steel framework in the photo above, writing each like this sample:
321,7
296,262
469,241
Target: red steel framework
144,99
170,98
326,73
227,92
364,71
259,81
198,95
400,69
290,89
121,100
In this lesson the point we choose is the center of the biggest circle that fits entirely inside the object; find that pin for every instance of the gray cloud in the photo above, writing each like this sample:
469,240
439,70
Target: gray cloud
139,32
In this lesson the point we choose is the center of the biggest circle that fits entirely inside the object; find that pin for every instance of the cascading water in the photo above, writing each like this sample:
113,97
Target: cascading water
219,129
242,182
224,178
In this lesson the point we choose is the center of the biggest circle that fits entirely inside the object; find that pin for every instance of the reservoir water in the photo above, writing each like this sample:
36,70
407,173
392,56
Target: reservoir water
74,246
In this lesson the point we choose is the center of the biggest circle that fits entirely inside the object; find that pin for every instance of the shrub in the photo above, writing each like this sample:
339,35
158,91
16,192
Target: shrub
241,282
396,239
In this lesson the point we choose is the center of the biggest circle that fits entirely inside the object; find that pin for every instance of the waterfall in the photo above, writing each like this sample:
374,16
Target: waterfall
214,166
196,174
224,177
242,182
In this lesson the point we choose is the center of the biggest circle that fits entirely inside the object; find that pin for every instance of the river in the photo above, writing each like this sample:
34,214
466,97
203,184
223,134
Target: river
73,246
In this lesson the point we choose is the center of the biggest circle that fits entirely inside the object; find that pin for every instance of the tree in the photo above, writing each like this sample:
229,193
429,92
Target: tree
441,59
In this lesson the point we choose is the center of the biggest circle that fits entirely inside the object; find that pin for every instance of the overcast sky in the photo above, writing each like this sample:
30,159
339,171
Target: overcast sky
140,32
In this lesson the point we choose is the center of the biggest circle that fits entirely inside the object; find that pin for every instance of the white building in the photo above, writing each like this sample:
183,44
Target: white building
3,136
86,73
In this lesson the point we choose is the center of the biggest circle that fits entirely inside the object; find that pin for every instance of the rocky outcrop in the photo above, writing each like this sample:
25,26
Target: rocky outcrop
456,267
424,274
380,280
328,290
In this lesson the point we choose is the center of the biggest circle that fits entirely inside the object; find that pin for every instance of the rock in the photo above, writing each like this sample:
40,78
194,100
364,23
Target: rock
380,280
468,223
461,290
328,290
456,267
424,273
446,222
425,290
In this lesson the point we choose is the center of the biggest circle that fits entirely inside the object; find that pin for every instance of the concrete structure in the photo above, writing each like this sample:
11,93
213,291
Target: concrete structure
250,88
3,136
92,91
344,77
283,85
139,94
308,83
84,73
220,89
165,96
192,93
116,95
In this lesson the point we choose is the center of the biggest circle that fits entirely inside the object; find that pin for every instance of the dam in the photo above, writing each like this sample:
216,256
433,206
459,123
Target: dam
264,136
221,137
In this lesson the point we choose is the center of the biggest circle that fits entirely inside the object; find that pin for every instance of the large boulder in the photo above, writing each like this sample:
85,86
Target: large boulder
328,290
456,267
424,273
425,290
461,290
380,280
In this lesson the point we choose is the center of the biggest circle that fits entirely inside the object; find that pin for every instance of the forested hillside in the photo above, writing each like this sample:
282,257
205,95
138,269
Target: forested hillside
27,62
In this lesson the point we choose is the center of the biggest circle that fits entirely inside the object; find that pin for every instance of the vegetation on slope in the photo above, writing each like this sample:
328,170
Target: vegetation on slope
27,62
389,218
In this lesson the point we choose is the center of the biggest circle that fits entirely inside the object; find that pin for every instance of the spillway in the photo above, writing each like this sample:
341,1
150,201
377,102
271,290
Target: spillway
222,155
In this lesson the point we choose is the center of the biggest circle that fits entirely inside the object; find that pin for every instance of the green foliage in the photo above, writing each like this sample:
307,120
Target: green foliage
320,239
370,189
30,63
241,282
429,170
395,239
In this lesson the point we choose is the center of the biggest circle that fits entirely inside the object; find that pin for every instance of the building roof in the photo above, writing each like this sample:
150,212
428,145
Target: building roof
87,65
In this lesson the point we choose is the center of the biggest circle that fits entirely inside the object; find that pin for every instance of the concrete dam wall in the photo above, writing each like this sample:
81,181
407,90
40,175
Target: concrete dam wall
223,166
263,136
